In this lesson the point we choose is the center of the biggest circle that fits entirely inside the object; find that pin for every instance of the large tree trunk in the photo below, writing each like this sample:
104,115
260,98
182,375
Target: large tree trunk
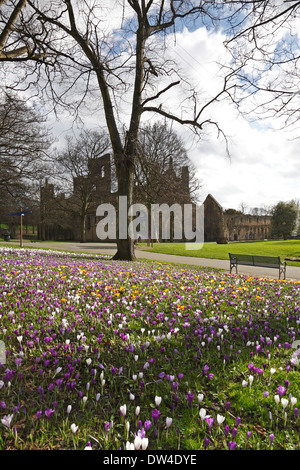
125,174
82,229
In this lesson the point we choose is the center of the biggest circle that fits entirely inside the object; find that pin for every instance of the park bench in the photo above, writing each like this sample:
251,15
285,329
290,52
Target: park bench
258,261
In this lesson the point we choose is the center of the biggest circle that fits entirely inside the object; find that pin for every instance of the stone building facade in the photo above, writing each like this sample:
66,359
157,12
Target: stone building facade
60,215
221,226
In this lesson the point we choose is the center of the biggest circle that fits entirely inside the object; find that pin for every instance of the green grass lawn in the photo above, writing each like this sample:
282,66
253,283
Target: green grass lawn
282,248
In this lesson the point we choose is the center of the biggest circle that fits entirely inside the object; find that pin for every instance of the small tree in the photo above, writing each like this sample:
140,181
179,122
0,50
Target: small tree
283,219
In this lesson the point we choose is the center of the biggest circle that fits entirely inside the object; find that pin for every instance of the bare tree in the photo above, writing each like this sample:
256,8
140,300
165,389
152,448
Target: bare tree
77,173
73,44
24,142
163,170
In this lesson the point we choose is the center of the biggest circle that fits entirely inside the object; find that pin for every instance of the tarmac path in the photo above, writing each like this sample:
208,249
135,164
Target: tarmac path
292,272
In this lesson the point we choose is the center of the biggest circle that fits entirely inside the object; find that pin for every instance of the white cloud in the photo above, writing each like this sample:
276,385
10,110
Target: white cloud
263,167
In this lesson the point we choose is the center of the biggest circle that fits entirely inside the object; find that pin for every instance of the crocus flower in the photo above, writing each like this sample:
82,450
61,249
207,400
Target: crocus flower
220,419
210,421
206,442
6,420
190,398
155,415
202,413
137,443
200,398
168,422
281,390
123,410
49,412
231,445
157,400
147,424
74,428
145,442
284,402
226,430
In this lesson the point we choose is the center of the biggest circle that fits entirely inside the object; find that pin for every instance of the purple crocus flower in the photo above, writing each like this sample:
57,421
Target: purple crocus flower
226,430
155,415
147,424
206,442
49,412
281,390
210,422
190,398
231,445
175,385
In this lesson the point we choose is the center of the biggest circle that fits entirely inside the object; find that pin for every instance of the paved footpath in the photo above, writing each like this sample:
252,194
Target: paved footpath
292,272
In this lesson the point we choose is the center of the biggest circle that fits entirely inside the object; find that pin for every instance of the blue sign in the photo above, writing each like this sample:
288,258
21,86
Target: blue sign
20,213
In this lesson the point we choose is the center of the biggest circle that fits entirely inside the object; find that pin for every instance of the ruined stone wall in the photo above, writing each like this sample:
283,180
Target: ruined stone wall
214,223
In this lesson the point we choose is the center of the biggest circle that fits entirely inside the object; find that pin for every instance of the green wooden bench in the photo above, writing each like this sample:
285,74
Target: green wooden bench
258,261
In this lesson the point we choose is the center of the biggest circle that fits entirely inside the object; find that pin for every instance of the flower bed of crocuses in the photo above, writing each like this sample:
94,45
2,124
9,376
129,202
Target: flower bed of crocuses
112,355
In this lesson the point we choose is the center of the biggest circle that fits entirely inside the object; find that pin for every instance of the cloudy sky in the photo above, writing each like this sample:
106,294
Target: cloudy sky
263,167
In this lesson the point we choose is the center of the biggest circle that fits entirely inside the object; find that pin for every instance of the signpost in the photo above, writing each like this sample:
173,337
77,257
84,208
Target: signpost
21,214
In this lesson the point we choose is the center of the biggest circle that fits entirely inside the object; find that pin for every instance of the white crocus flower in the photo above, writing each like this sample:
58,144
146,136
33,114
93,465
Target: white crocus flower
6,420
74,428
220,419
168,422
284,402
145,442
157,400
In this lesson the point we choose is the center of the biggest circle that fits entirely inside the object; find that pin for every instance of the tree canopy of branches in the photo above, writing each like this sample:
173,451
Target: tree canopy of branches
162,163
265,47
24,142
